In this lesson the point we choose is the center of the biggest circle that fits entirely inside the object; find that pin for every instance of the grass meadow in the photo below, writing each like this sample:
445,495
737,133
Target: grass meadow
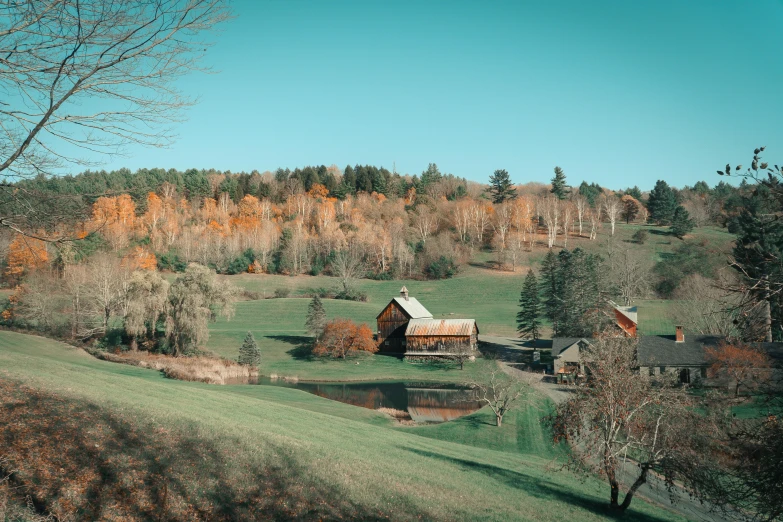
98,440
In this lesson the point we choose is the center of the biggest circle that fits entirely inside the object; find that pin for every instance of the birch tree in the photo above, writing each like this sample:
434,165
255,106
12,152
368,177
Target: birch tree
612,207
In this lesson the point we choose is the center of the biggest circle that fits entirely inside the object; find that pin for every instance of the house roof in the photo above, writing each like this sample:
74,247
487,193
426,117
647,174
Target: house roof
664,350
411,307
457,327
631,312
561,344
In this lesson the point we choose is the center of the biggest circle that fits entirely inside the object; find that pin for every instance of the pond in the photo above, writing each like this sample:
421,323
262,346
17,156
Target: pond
421,402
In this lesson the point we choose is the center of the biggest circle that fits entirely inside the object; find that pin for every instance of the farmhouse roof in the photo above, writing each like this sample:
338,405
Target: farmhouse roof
412,308
664,350
445,327
561,344
631,312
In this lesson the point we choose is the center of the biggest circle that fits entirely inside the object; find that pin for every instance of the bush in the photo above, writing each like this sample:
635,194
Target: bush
441,268
282,293
241,264
640,236
351,295
171,261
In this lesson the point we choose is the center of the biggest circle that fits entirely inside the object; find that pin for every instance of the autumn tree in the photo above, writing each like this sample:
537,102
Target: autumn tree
630,208
741,364
24,255
622,424
342,336
196,297
316,317
249,354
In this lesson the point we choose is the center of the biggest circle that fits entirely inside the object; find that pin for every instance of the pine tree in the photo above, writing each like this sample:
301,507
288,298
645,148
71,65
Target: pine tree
550,288
501,187
528,322
316,317
559,187
662,203
249,354
681,222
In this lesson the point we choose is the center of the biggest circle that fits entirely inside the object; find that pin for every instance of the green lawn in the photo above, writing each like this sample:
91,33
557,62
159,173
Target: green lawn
103,440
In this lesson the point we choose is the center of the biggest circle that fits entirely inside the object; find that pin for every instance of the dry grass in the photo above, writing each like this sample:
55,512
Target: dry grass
198,369
401,416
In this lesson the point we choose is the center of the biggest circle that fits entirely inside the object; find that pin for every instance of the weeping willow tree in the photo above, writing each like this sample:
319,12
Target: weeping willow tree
196,298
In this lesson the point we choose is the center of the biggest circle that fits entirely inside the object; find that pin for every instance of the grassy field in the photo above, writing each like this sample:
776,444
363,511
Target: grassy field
105,441
488,295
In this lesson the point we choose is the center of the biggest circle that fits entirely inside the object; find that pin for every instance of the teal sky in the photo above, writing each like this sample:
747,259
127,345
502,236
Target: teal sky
616,92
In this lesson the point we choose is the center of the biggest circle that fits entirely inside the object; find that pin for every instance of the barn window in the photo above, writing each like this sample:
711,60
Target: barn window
386,343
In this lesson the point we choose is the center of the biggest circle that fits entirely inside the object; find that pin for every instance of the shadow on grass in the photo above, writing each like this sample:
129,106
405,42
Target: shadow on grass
536,487
78,461
302,346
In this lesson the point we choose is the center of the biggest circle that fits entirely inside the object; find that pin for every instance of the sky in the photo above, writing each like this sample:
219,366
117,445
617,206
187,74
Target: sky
615,92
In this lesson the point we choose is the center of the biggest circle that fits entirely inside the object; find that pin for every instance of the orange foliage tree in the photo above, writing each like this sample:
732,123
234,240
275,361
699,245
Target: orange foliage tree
25,254
342,336
742,364
140,259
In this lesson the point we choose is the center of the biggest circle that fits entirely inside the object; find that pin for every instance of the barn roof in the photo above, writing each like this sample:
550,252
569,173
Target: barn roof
412,308
457,327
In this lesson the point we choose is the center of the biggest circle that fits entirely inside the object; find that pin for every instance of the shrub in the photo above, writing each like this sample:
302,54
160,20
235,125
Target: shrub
281,293
441,268
171,261
640,236
351,295
242,263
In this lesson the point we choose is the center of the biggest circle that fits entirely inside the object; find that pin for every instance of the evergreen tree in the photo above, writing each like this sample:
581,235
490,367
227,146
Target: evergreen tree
316,317
501,187
349,180
681,222
559,187
590,192
550,288
579,292
662,203
635,193
249,354
528,323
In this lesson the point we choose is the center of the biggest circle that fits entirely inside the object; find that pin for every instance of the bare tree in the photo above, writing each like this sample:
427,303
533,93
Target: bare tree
425,222
549,209
710,307
612,207
623,423
633,275
500,392
581,204
594,216
348,265
568,212
90,75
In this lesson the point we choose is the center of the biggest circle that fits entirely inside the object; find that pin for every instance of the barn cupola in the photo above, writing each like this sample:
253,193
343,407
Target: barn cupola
404,293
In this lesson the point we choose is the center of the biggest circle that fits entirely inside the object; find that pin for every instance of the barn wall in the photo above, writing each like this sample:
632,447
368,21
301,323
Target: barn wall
625,323
391,328
440,344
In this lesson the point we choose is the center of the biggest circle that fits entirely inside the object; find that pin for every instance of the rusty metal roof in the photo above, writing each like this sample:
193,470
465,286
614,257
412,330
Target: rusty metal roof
419,327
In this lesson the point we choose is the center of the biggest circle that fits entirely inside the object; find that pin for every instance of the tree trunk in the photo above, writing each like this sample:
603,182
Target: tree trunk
636,485
499,419
767,311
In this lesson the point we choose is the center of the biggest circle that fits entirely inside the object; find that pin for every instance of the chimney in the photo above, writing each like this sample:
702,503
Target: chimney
679,336
404,293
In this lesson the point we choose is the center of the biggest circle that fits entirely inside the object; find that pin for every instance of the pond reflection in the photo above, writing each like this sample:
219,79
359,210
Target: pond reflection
424,402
